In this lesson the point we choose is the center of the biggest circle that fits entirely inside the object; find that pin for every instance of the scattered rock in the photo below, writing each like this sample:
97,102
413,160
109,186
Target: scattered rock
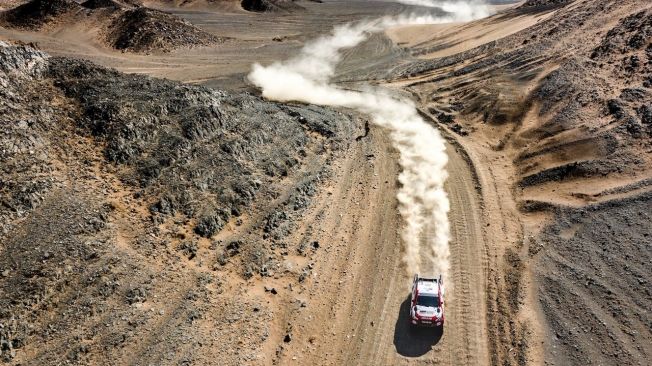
189,249
630,34
136,295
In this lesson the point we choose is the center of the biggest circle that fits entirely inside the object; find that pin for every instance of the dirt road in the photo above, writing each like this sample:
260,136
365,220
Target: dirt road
359,289
368,308
362,288
463,340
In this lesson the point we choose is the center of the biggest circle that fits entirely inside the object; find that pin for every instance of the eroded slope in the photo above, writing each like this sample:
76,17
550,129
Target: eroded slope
133,209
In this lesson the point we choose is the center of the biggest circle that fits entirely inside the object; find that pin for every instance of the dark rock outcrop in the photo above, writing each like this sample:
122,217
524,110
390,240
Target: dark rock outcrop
37,13
101,4
270,5
143,30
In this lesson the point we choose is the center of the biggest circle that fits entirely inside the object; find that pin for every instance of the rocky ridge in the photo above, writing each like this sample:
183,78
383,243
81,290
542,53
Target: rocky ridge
121,185
143,30
124,26
37,13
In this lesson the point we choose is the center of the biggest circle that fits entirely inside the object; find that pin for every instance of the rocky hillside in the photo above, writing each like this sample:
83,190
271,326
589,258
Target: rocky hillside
114,192
37,13
125,25
142,29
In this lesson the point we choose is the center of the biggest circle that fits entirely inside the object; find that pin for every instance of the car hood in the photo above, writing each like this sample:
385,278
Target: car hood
428,311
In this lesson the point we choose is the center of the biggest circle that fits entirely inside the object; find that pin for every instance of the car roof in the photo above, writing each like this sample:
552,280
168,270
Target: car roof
428,287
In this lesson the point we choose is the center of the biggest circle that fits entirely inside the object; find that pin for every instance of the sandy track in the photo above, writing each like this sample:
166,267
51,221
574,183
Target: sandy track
463,341
359,292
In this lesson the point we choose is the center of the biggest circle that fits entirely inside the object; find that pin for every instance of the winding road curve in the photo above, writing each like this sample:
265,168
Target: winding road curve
382,331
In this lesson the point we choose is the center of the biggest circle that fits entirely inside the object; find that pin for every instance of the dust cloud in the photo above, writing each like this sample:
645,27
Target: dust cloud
423,203
473,9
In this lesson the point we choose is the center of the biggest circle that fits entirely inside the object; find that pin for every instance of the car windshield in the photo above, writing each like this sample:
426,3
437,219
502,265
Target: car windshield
429,301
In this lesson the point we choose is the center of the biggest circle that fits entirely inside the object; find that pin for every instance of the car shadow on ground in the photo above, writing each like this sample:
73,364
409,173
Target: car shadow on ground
413,341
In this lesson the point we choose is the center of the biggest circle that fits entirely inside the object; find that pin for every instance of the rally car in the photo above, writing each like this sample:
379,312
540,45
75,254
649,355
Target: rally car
427,302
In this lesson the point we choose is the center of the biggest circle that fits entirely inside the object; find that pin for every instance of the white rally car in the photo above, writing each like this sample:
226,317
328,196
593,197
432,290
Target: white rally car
427,302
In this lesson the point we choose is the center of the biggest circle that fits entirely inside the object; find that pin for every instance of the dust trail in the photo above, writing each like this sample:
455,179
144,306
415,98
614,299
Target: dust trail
422,200
477,7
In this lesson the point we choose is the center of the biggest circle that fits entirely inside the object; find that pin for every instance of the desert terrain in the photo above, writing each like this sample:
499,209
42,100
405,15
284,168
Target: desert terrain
156,209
